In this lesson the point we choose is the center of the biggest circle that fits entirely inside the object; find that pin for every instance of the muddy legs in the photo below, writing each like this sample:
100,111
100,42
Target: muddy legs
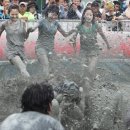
43,59
21,66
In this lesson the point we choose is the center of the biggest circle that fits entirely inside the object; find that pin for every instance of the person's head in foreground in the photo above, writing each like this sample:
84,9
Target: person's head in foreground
36,106
38,97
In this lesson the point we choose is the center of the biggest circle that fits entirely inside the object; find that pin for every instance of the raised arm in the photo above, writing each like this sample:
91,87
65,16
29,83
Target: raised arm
99,29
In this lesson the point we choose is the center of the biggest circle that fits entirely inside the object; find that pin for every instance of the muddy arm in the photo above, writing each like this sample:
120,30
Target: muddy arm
2,28
32,29
103,36
65,34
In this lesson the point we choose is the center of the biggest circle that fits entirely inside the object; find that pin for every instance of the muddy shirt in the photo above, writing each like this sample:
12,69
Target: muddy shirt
30,121
88,39
16,36
46,35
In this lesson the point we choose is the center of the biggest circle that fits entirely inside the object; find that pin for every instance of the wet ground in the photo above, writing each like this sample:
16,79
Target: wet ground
104,102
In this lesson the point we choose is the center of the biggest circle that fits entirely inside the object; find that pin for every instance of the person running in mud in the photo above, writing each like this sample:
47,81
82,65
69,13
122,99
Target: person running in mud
47,29
69,96
88,29
16,35
36,105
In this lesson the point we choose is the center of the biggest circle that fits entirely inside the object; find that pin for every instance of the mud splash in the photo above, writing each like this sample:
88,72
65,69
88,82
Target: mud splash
102,107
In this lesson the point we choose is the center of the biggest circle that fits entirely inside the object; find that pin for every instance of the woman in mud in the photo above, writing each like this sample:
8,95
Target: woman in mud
16,35
88,29
47,29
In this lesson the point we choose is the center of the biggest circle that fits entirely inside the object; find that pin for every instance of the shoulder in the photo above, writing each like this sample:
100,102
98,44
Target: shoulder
45,121
97,27
31,120
42,22
48,121
9,122
57,24
4,23
79,27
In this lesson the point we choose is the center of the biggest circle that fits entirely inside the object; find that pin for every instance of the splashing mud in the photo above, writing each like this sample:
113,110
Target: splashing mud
101,107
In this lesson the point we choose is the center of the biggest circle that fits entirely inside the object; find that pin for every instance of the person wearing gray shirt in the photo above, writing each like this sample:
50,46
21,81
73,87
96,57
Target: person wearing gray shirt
16,34
36,105
47,29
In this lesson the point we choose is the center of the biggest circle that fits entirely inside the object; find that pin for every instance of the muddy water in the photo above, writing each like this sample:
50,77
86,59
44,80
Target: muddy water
103,107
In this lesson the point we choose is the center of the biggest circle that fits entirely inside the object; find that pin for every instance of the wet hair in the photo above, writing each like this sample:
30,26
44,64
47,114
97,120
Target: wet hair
37,97
52,9
13,7
83,19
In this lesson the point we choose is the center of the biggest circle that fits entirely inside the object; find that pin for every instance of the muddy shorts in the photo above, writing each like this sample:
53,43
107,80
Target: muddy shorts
16,51
90,51
40,50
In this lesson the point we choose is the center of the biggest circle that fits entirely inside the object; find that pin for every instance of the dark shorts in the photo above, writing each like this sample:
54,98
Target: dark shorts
90,51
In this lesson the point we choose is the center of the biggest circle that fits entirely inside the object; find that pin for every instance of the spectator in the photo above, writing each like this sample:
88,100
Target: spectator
50,2
63,8
1,12
117,9
89,4
33,8
14,2
6,4
66,7
112,12
36,106
75,10
109,16
23,14
96,11
117,15
127,12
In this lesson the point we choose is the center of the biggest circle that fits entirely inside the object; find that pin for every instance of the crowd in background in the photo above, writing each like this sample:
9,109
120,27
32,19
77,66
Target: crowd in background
103,10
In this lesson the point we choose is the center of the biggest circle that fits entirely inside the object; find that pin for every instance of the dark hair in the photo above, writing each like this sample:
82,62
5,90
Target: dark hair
116,3
22,1
95,4
30,4
83,20
52,9
13,7
37,97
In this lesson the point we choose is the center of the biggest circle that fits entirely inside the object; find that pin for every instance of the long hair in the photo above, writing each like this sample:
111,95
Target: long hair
37,97
83,19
